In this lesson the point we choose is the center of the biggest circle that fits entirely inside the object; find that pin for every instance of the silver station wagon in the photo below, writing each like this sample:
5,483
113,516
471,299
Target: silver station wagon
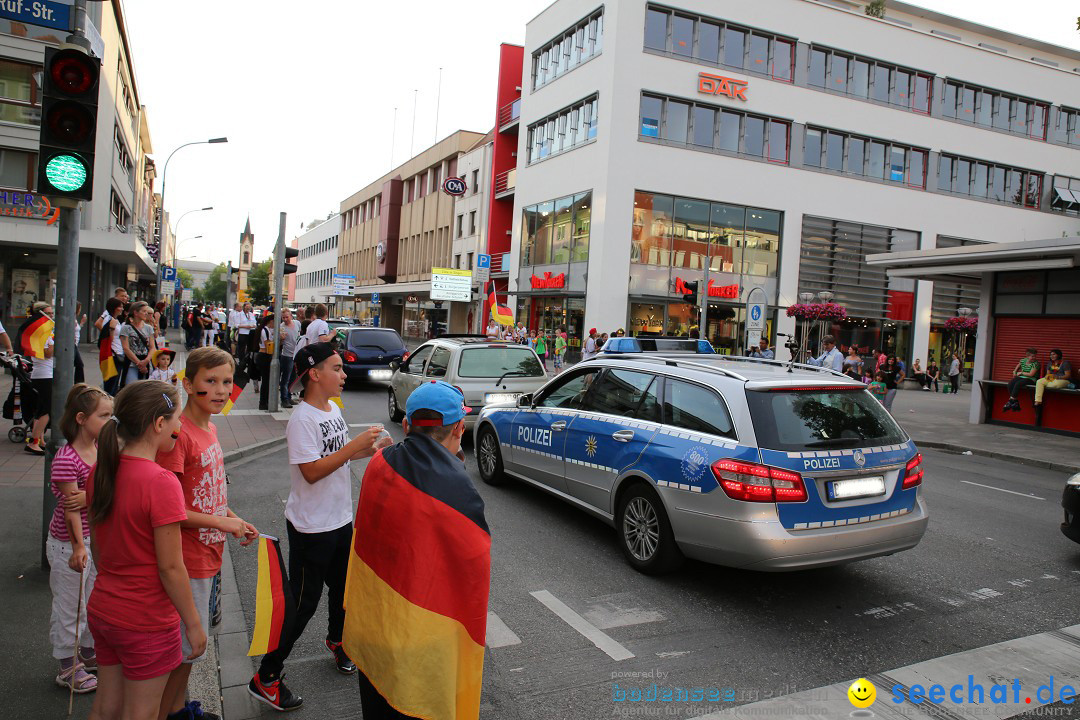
747,463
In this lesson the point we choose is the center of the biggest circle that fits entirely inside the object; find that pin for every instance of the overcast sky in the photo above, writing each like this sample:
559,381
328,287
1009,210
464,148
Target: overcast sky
306,93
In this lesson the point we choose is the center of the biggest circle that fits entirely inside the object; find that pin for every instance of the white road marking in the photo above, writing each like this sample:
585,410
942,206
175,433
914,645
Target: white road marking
1031,660
983,594
591,633
678,653
606,614
1011,492
498,634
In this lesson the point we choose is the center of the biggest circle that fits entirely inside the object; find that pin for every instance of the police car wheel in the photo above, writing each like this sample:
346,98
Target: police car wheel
392,407
489,457
645,533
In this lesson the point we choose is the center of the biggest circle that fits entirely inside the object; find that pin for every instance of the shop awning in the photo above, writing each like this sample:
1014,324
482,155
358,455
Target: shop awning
1054,253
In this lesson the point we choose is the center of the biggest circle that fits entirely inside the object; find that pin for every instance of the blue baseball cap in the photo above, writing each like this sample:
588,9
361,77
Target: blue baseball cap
440,397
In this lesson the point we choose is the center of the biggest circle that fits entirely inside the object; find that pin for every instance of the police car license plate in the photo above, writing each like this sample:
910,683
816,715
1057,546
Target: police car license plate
856,488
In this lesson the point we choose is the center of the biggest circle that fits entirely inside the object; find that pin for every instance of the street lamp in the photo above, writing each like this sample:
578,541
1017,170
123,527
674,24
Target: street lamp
164,177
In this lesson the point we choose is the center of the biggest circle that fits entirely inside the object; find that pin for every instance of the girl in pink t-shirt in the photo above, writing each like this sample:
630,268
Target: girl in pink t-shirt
86,410
136,507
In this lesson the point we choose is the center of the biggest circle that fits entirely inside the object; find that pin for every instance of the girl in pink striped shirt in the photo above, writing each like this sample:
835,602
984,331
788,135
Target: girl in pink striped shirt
68,546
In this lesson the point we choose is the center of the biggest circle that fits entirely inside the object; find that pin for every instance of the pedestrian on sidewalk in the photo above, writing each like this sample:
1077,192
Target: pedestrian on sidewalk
288,334
418,517
68,547
317,514
919,374
933,375
1024,375
560,347
954,374
137,339
893,375
80,320
142,590
199,464
110,333
262,359
878,388
120,294
41,377
590,349
161,360
1058,375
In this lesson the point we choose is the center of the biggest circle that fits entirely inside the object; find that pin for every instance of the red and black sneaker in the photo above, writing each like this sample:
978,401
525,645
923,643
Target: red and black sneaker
274,693
345,666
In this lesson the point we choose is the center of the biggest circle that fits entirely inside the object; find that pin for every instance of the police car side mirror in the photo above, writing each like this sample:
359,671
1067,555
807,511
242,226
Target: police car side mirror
524,401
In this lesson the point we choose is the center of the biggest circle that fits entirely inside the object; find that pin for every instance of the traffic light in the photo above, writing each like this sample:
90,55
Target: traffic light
290,268
68,124
690,290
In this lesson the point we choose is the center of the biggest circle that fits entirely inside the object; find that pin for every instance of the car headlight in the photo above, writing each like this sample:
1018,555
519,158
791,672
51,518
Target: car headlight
1074,481
493,398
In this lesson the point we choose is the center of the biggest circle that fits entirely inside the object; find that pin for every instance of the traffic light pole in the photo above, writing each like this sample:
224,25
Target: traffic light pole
279,304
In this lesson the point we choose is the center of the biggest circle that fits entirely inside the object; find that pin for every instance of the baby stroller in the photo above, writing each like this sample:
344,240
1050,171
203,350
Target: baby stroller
21,402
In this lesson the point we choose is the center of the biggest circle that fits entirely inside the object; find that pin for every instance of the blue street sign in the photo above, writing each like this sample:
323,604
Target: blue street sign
168,274
44,13
179,285
374,298
483,261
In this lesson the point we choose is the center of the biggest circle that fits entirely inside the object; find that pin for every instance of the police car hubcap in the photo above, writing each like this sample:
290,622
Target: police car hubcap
641,529
487,455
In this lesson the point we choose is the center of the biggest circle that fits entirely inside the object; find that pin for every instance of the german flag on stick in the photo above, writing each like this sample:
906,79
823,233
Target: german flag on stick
274,607
34,334
500,313
419,573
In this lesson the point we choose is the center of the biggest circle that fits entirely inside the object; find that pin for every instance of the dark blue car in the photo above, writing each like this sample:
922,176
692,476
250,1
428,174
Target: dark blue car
368,352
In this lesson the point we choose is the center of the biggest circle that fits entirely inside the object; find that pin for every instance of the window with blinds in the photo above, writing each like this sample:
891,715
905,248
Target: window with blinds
833,258
951,296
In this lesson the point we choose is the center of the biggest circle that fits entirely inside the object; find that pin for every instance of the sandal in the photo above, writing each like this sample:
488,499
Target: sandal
77,679
88,658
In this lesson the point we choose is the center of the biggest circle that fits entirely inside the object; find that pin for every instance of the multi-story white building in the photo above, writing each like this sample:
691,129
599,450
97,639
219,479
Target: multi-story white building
775,145
471,213
116,225
317,263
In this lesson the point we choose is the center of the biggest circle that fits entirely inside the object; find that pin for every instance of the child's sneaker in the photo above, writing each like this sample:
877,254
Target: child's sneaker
274,693
75,678
345,666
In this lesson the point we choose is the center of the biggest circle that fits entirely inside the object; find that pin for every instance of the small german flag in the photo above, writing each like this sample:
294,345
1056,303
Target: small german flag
107,362
500,313
34,334
274,608
416,596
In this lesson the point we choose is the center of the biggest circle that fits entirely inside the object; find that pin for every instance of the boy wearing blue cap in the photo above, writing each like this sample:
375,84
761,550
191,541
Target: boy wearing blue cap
419,518
317,514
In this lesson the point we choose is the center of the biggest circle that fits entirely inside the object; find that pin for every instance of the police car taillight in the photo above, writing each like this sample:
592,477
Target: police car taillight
751,482
913,472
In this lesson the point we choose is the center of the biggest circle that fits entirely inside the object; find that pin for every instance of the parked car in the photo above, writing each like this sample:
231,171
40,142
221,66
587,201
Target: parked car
485,371
368,352
1070,503
727,460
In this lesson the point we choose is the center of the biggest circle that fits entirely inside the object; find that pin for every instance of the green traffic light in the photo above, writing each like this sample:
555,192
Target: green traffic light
66,173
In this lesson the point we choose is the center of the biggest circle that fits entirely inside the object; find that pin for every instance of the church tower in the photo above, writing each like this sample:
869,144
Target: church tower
247,251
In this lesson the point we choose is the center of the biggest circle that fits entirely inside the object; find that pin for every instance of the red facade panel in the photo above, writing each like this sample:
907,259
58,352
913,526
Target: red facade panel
389,230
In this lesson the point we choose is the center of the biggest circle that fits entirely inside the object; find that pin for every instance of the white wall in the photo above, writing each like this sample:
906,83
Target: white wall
324,260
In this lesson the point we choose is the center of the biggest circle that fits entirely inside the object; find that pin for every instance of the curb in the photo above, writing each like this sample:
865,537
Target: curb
249,450
1033,462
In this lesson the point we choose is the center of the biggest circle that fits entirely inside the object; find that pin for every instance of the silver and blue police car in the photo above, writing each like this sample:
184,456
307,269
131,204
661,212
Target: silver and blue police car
748,463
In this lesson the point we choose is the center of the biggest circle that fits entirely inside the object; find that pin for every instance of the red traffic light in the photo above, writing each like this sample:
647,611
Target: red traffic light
73,72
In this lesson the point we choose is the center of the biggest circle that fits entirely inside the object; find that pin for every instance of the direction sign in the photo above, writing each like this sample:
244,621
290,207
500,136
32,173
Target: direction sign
483,269
450,284
168,274
343,284
44,13
454,186
187,295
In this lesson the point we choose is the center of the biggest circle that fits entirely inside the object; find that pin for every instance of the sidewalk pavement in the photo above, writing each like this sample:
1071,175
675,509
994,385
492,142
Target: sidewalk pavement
24,591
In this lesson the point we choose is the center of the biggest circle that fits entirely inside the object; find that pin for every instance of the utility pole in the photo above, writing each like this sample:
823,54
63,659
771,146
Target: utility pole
279,304
67,281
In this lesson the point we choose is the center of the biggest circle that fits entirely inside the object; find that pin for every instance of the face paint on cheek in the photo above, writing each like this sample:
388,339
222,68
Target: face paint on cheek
201,393
176,436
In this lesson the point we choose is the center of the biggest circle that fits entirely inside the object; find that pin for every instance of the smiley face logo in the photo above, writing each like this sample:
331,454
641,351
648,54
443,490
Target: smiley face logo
862,693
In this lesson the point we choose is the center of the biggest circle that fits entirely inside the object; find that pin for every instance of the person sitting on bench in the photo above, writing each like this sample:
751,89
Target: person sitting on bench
1024,375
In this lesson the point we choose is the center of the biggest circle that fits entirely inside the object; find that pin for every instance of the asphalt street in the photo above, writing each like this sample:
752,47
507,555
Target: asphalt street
992,567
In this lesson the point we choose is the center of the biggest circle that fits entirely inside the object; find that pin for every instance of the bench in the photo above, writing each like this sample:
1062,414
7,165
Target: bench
1060,411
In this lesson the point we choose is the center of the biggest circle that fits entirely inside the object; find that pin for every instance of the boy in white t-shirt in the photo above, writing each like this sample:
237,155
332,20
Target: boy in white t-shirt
318,330
318,514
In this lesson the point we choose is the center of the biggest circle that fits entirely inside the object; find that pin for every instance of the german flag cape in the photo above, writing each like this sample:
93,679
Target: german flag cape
106,361
240,380
501,314
34,333
274,607
419,573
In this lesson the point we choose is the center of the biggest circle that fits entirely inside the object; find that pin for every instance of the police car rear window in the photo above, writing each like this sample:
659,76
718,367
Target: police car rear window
494,361
821,420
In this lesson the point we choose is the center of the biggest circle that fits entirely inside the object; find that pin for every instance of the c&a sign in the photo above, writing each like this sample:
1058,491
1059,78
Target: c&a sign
24,205
719,85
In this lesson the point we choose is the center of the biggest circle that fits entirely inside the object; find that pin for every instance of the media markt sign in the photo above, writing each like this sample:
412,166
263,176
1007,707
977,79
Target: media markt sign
450,284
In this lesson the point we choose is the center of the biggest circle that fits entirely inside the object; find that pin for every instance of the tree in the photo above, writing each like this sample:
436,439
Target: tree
259,283
213,290
185,278
876,8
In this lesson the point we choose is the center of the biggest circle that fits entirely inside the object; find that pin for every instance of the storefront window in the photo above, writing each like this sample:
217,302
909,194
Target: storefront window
646,319
528,234
560,238
681,319
582,225
762,242
690,244
651,242
545,213
728,224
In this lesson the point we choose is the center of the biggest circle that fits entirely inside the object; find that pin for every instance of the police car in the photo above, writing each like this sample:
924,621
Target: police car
749,463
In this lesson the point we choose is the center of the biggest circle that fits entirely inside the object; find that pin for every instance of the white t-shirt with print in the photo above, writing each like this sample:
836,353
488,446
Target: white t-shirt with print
327,504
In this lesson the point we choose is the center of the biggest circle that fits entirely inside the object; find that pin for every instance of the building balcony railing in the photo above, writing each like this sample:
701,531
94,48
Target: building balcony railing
509,114
505,183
